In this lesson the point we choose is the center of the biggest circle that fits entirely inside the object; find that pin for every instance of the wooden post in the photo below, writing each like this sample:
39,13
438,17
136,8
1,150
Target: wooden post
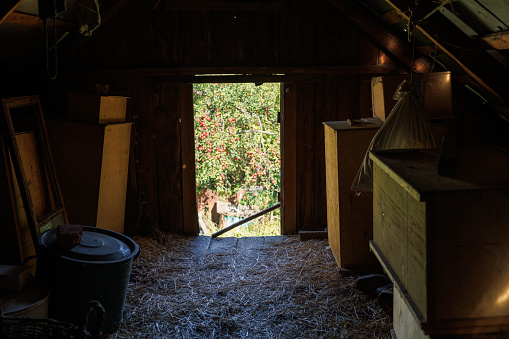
289,159
189,208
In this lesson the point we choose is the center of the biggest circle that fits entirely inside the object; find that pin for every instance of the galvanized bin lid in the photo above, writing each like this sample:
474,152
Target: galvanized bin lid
97,245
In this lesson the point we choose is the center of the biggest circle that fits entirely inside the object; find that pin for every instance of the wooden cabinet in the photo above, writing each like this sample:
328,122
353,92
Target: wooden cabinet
92,166
349,216
445,240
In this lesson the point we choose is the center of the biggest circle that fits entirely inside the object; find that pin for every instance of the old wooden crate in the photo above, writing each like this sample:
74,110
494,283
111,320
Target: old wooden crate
445,240
349,216
405,324
92,166
95,108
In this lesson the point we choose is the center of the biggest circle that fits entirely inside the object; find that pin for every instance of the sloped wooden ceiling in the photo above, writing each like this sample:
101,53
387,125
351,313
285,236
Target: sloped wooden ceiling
22,35
471,36
467,37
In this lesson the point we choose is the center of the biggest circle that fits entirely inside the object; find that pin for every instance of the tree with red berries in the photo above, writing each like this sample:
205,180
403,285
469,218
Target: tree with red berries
237,140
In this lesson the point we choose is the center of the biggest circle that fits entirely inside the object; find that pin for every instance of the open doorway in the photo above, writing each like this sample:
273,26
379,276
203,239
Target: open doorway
238,156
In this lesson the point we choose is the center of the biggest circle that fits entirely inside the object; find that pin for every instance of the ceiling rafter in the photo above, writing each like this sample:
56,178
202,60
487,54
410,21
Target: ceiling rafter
390,43
499,40
31,20
250,71
472,67
207,5
7,7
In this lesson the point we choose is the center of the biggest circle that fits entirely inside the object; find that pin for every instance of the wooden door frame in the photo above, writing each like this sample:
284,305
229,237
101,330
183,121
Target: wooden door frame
288,100
190,223
288,130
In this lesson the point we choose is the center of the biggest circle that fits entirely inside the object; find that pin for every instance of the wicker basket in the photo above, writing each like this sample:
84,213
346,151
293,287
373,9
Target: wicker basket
29,328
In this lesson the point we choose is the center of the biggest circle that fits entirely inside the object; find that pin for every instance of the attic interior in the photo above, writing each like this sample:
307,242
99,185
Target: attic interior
101,91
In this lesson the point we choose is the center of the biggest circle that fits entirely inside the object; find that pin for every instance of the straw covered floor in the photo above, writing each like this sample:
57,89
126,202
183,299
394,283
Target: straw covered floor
280,287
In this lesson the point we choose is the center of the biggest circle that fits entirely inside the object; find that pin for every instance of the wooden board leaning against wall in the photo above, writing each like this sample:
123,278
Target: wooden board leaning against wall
17,242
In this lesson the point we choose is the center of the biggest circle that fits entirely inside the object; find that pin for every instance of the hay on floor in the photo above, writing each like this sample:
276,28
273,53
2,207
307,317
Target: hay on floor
290,289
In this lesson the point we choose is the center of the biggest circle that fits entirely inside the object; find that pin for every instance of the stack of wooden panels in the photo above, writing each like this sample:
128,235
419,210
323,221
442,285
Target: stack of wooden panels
444,241
91,154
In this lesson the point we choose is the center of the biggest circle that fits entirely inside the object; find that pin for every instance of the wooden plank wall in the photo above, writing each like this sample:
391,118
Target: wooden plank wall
334,98
140,91
161,154
304,34
167,143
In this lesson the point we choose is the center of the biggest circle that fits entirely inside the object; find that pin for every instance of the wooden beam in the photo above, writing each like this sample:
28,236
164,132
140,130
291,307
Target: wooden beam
382,37
428,49
190,79
189,208
391,17
499,40
245,220
288,158
474,63
250,71
7,7
30,20
204,5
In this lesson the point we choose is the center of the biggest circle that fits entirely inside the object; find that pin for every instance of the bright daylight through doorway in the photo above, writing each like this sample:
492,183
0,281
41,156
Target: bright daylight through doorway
237,147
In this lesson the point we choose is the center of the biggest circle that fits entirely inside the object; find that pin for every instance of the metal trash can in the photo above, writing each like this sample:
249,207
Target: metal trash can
98,268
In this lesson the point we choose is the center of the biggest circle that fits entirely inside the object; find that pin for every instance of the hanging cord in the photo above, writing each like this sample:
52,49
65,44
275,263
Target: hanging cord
436,9
412,24
411,38
434,55
51,75
413,58
409,25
